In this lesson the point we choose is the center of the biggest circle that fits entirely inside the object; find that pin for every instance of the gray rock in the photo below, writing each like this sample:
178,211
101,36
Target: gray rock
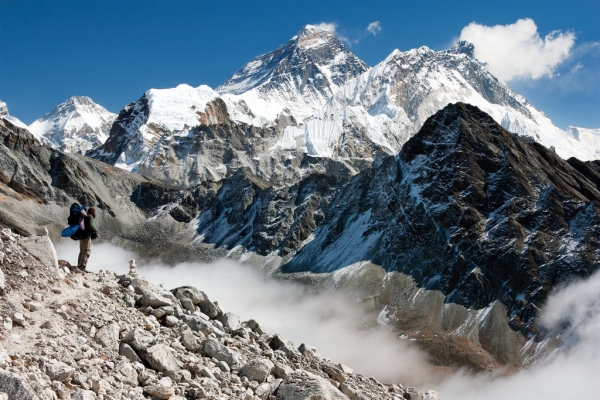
171,321
160,392
214,348
209,308
189,341
159,357
306,351
290,352
154,300
42,248
334,373
59,372
129,374
281,370
187,304
15,387
18,319
256,327
127,351
231,321
352,392
257,370
138,341
108,336
197,323
300,385
277,342
189,292
83,395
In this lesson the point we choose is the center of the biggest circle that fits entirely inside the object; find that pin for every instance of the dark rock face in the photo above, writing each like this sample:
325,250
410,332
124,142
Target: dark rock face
122,132
466,208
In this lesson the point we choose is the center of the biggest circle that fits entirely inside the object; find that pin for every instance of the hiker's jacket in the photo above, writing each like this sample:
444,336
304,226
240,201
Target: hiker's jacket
89,229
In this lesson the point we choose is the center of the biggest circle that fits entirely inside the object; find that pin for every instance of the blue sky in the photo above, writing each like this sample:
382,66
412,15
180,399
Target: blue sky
113,51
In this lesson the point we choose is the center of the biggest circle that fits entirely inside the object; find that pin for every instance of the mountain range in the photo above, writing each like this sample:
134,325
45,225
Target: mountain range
450,222
308,105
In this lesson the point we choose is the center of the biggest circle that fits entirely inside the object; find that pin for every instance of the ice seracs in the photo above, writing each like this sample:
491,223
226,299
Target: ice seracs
75,126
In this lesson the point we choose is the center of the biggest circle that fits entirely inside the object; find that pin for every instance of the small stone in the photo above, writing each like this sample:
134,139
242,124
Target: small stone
18,319
171,321
59,372
257,370
160,392
126,351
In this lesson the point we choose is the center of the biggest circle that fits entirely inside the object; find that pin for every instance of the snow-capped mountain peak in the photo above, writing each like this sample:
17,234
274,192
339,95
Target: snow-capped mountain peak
77,125
295,79
5,114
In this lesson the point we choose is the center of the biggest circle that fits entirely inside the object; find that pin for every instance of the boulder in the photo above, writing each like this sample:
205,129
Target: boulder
187,304
189,341
160,392
257,370
197,323
214,348
108,336
127,351
189,292
59,371
154,300
138,341
15,387
231,321
255,327
209,308
281,370
300,385
159,357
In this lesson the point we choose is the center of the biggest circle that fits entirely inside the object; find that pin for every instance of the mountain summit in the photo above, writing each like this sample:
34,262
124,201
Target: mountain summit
297,77
75,126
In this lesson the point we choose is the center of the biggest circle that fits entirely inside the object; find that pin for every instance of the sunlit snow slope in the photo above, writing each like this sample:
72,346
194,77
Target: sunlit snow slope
75,126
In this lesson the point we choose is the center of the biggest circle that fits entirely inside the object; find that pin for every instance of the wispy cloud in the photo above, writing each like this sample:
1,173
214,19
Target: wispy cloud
517,51
333,28
374,28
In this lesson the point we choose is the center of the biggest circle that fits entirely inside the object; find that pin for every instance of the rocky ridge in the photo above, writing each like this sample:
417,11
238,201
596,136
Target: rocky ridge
72,335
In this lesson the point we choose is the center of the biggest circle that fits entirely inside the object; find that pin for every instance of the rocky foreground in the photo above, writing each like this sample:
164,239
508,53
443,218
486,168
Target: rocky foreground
67,334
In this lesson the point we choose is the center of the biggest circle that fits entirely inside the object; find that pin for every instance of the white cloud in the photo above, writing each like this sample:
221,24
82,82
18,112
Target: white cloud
517,50
333,28
328,26
374,28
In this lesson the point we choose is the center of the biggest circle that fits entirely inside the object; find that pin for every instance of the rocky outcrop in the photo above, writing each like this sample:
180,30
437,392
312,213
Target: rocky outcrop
92,339
466,210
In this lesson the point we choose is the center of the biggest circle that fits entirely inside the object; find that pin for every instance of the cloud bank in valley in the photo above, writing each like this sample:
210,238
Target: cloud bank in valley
517,51
332,322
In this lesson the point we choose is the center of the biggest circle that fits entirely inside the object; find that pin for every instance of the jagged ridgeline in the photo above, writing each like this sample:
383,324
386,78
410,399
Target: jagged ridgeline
456,241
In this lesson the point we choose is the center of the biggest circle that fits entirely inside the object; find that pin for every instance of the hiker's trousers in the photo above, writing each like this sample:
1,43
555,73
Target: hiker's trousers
85,249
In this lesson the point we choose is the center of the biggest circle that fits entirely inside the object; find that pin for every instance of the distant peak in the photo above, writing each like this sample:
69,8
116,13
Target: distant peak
312,31
463,47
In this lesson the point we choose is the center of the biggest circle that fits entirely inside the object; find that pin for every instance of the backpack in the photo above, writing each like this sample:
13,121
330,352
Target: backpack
76,212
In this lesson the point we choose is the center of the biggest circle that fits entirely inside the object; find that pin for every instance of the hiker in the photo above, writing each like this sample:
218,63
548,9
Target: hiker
85,237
